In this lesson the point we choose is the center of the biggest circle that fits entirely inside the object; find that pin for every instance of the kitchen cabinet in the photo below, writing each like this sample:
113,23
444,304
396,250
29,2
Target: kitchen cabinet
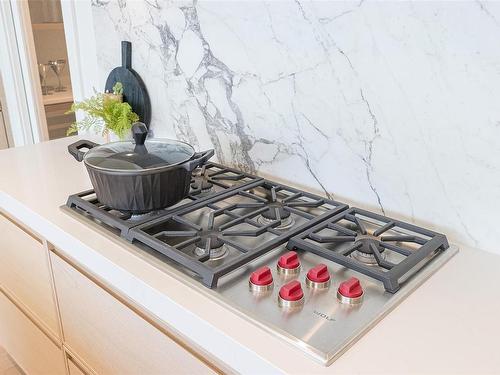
74,368
58,120
32,350
25,273
43,295
109,336
4,143
48,11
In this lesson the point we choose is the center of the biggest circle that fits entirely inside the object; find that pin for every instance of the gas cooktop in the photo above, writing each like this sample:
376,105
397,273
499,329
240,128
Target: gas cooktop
312,270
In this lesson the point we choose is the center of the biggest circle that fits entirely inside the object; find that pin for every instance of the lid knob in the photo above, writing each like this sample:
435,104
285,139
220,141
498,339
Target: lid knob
139,132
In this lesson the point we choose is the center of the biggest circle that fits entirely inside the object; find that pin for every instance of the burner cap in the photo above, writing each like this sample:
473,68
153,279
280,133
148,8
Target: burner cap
217,250
283,225
270,214
202,185
364,253
196,172
215,243
365,245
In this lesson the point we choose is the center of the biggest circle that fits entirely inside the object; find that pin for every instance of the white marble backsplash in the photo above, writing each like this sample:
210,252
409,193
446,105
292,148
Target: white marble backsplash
389,106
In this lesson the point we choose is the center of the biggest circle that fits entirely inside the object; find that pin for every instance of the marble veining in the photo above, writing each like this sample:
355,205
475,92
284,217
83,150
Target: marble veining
389,106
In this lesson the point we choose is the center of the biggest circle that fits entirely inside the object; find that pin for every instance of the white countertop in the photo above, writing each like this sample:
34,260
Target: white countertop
449,324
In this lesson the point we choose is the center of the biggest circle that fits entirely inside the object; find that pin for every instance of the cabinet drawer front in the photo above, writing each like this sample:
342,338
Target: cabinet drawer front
34,352
109,336
25,272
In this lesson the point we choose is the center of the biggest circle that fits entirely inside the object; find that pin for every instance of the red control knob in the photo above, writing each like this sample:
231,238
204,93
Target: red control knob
319,273
350,291
289,263
318,277
291,294
261,280
262,276
291,291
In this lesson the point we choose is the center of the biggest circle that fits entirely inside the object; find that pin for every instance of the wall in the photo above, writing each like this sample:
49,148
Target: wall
391,106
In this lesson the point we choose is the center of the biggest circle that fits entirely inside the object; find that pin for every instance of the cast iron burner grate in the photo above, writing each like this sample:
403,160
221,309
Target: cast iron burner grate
385,249
219,178
192,235
209,177
87,204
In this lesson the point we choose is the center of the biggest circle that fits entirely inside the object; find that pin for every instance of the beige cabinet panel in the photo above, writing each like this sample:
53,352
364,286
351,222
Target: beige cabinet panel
74,369
4,143
25,273
110,337
58,120
34,352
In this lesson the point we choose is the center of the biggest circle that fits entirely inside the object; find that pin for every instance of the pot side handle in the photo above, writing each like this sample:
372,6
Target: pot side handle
198,159
75,148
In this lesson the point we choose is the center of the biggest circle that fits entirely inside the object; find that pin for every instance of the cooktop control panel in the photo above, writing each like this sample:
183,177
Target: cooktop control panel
312,302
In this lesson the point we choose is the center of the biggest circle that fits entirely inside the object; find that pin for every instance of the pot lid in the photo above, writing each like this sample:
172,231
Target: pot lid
139,155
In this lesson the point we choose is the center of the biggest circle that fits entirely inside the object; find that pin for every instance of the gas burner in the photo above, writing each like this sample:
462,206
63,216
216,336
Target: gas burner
285,223
201,186
385,249
209,242
209,239
276,211
197,172
200,182
211,178
215,253
364,251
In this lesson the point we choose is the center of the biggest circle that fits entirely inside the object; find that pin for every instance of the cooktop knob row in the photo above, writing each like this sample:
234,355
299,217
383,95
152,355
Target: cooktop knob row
291,294
289,264
261,280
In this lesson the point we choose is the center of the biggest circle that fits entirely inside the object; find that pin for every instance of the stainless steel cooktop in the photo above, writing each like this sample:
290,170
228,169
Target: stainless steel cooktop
309,269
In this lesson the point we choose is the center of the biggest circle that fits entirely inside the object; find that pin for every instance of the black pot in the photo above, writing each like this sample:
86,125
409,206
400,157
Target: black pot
139,177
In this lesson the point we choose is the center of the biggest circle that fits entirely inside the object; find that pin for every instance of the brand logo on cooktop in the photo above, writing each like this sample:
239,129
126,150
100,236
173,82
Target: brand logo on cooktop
324,316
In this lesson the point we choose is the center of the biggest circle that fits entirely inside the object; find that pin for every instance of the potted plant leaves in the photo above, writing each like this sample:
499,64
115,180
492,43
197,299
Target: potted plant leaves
106,113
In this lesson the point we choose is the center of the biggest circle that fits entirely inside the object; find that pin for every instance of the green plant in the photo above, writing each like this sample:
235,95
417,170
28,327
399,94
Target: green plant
118,88
104,114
